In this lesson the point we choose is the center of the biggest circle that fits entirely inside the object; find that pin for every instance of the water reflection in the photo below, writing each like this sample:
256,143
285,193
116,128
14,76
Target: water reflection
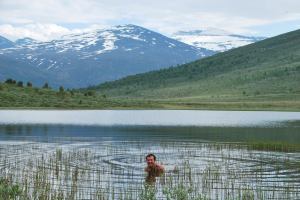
147,117
285,134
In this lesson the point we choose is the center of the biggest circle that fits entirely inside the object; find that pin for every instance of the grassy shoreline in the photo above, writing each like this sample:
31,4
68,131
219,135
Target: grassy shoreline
154,105
163,107
13,97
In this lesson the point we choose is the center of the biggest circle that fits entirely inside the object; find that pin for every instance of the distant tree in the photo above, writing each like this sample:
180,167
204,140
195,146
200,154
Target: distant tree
61,89
20,84
10,81
29,84
46,85
89,93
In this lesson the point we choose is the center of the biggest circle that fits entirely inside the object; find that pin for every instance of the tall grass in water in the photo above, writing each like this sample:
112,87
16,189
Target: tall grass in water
75,174
8,190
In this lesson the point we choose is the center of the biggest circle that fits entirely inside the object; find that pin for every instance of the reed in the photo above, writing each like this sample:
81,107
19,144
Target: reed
81,173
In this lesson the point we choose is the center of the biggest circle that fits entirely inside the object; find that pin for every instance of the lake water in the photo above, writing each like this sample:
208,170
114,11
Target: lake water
101,154
148,117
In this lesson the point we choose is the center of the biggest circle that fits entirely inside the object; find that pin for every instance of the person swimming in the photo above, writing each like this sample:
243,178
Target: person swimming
153,169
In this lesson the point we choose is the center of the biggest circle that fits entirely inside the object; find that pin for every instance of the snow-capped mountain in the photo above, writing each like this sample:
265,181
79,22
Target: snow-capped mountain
25,41
214,39
5,43
80,60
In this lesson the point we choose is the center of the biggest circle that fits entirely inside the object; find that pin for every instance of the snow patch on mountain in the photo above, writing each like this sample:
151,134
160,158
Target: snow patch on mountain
109,42
214,39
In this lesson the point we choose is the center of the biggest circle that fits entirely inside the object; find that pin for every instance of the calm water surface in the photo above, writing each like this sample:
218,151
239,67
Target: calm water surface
147,117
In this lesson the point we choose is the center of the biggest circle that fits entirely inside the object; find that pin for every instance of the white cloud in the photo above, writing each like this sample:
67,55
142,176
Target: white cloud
203,20
41,32
166,16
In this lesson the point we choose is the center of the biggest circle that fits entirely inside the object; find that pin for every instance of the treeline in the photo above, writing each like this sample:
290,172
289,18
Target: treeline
18,94
18,83
28,84
46,85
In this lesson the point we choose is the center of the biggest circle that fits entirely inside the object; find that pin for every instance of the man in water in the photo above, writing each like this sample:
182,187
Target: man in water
153,169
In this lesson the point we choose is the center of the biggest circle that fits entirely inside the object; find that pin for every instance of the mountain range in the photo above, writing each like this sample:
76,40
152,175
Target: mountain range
94,57
5,43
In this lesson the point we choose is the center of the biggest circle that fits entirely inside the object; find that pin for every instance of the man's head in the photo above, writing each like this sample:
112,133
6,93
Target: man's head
150,159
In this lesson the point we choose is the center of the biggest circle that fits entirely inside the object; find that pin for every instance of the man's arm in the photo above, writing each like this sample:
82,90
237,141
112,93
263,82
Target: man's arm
160,168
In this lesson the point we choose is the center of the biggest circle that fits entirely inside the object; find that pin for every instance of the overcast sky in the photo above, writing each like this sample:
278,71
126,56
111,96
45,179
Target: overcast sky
49,19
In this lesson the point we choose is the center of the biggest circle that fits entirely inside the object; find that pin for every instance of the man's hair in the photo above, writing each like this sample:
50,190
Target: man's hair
149,155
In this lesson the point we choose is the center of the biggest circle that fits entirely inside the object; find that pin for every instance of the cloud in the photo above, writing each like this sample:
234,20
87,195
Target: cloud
165,16
41,32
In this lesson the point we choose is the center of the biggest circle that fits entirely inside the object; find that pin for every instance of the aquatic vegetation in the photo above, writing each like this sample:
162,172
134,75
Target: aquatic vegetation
108,170
8,190
274,146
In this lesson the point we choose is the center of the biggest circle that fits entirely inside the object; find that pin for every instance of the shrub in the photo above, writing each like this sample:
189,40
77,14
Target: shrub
29,84
89,93
61,89
20,84
46,86
10,81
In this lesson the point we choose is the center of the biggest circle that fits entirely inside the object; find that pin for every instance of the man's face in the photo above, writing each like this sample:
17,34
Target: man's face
150,161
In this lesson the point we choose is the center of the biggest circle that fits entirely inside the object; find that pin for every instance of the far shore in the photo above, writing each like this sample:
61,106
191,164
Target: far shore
220,106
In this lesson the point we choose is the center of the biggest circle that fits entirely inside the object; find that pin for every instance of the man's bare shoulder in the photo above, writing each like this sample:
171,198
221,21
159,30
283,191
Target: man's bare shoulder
160,167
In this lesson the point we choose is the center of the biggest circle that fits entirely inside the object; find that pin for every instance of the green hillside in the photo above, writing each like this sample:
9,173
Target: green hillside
260,76
266,72
17,95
